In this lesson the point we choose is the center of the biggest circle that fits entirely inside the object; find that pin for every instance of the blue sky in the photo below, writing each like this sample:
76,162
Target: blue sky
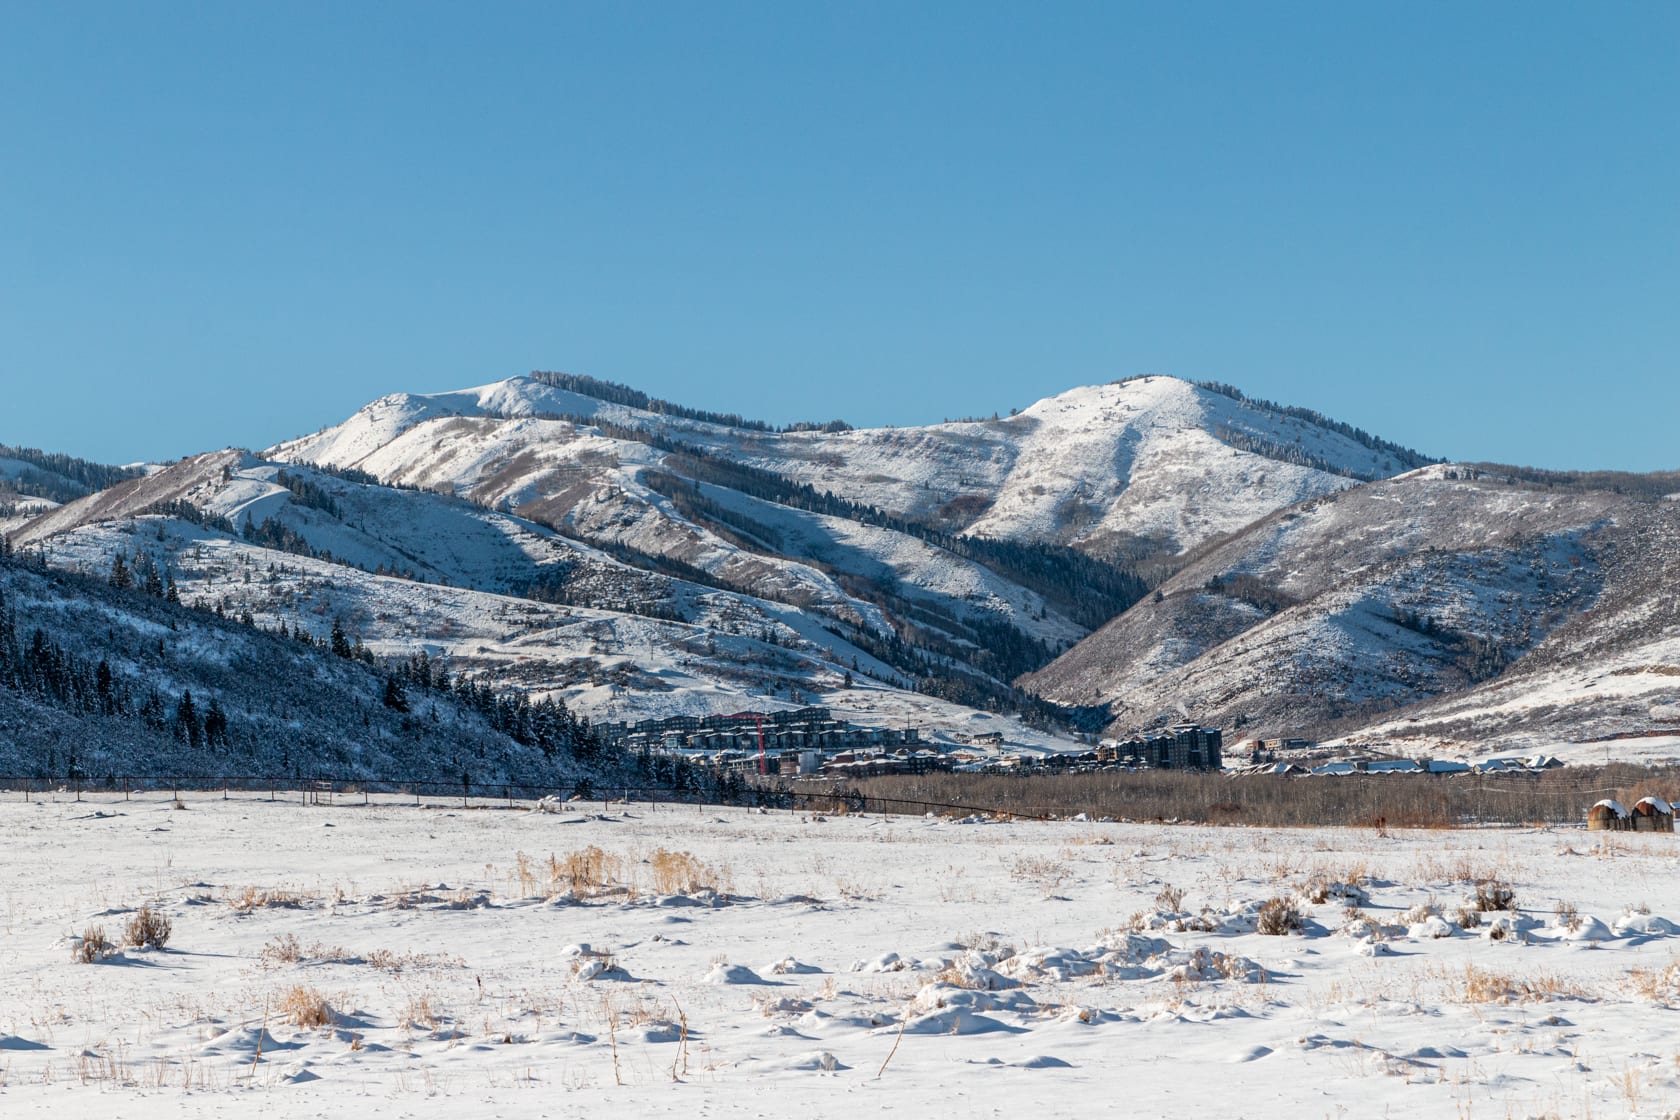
1454,225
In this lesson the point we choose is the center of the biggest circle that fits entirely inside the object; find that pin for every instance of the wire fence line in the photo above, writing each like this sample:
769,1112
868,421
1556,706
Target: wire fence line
1370,801
346,791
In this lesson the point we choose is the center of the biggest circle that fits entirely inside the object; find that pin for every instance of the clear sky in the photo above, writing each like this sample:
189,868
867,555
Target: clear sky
1455,225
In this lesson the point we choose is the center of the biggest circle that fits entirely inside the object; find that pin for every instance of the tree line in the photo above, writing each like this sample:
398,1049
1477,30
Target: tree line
614,393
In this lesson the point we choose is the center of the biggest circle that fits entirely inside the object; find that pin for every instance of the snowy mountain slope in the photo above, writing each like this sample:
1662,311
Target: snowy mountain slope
1137,470
593,486
1152,458
1608,672
312,545
733,653
425,536
1396,592
16,512
288,708
194,480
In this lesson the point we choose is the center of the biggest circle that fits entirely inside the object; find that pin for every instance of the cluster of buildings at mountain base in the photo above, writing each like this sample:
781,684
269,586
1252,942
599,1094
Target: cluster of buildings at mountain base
1186,746
807,741
796,741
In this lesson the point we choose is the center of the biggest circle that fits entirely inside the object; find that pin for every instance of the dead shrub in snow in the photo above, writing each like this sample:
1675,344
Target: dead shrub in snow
305,1008
588,871
92,946
1495,894
856,890
264,898
1478,985
683,873
148,929
1277,917
419,1012
1043,872
1421,912
285,949
1468,917
1659,985
1170,899
387,961
1566,916
526,874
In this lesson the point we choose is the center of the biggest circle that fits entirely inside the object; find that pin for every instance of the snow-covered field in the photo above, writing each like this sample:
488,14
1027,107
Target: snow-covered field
486,962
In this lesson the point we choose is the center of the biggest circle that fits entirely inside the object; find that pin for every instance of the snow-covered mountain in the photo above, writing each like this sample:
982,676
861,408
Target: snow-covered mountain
1146,465
1432,607
491,594
1186,551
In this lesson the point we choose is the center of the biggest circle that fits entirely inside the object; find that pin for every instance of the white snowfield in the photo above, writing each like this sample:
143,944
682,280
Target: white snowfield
616,960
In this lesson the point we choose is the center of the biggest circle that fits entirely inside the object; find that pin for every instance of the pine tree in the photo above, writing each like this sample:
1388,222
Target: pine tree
340,643
396,696
103,686
186,720
215,724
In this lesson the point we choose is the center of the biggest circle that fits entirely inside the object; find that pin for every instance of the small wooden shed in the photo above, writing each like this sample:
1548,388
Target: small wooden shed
1653,814
1608,814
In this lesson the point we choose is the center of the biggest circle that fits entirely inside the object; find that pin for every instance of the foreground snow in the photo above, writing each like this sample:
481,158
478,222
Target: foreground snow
750,962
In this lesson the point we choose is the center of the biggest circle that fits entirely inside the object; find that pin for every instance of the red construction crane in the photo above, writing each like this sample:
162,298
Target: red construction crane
758,718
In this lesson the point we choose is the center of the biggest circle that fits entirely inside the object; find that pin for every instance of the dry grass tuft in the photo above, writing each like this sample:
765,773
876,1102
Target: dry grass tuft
387,961
92,947
1495,894
305,1008
419,1012
588,871
1478,985
1659,985
148,929
287,949
1278,916
1047,873
264,898
682,873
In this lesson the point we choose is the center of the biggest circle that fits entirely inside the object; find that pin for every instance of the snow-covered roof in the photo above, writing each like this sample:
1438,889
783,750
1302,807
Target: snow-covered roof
1613,805
1657,804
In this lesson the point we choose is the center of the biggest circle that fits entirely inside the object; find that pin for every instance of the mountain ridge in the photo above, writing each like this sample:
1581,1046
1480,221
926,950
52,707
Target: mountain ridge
1151,547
